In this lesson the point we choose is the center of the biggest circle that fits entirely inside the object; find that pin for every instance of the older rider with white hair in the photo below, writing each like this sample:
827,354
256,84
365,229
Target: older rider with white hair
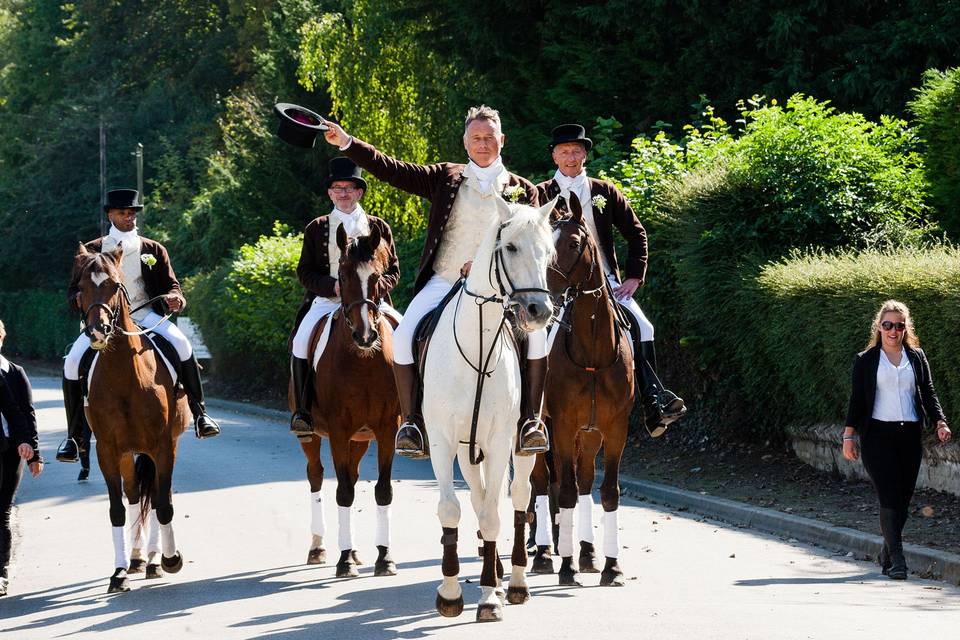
462,206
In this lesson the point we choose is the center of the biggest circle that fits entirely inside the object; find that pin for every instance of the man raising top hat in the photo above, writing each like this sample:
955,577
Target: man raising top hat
462,204
604,208
318,270
147,274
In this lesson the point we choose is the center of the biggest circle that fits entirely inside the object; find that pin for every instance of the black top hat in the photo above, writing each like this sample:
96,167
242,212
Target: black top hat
570,133
343,168
123,199
298,126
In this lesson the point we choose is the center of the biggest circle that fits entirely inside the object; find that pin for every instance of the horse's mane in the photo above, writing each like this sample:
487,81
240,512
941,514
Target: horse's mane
92,261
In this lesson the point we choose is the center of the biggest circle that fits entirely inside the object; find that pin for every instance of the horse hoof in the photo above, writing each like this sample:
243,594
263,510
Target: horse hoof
490,613
568,578
588,560
449,608
136,565
347,570
317,556
518,595
385,568
172,565
153,572
612,578
119,582
356,558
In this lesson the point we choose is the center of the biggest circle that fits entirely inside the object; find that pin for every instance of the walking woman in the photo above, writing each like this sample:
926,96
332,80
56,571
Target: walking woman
891,400
18,440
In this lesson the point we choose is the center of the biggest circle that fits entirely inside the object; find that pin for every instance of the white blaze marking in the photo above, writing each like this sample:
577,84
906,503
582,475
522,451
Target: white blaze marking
98,278
364,271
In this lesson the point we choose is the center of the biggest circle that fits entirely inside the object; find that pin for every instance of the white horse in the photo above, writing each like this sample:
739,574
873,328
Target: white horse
509,272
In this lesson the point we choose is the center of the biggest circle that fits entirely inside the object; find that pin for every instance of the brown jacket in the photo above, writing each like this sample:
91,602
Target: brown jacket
313,270
438,183
158,280
615,213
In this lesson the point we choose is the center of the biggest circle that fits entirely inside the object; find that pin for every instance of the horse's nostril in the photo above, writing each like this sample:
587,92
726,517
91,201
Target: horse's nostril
533,309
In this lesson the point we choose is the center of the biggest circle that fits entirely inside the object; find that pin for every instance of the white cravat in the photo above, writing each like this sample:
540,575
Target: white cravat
485,176
355,223
129,240
577,184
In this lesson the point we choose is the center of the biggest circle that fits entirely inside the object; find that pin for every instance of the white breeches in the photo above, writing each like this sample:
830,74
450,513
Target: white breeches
646,328
170,331
318,308
426,301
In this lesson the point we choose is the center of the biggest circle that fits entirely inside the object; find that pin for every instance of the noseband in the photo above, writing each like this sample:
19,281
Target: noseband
366,302
114,314
574,290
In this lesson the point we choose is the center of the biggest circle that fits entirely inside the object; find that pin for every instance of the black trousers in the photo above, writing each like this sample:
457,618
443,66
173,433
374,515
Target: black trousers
891,454
10,470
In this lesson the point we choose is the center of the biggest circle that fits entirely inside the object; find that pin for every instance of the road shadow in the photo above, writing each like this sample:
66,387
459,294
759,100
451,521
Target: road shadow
766,582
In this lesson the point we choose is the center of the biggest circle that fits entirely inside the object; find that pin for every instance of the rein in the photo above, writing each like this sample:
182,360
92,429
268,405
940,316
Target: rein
114,314
505,299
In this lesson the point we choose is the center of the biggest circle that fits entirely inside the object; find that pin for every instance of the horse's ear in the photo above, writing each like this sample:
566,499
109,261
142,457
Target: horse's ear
116,255
547,209
341,238
503,209
82,251
373,240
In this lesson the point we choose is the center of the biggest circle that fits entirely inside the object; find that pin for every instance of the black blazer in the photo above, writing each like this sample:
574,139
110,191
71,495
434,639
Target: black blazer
16,403
864,391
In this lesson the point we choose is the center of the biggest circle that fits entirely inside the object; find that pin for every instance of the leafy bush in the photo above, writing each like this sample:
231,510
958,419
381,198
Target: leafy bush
38,323
937,107
804,318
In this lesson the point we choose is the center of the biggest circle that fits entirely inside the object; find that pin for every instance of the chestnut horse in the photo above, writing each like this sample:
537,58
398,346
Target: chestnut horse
589,395
354,401
133,409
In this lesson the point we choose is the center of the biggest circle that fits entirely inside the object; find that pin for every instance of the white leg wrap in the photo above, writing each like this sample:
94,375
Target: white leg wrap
345,535
169,542
565,546
382,537
585,518
611,534
544,533
318,525
134,526
153,534
120,552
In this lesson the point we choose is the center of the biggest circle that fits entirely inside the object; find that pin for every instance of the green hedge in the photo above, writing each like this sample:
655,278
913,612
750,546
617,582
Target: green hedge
38,323
803,319
937,108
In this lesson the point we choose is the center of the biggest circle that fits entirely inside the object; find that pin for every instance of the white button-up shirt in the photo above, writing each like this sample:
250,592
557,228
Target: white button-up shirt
896,389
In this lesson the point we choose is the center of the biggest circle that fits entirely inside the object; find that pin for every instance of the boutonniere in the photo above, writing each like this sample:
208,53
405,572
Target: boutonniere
598,202
148,259
514,193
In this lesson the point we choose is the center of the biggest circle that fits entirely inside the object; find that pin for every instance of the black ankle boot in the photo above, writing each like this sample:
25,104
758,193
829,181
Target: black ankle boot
891,527
301,422
532,435
69,450
204,426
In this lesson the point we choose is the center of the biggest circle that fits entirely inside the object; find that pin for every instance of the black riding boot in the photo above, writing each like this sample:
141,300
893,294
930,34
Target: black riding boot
301,423
69,450
532,435
661,407
891,524
204,426
412,441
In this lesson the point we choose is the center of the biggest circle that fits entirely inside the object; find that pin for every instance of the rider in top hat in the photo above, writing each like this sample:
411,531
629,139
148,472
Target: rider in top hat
462,206
318,270
147,274
604,208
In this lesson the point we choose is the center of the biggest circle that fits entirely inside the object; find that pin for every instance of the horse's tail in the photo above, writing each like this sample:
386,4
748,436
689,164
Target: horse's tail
146,481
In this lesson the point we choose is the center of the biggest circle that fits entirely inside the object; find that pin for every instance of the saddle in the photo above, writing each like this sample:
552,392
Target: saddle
425,329
166,350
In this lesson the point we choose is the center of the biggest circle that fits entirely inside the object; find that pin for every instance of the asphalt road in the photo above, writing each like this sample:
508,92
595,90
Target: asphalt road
242,523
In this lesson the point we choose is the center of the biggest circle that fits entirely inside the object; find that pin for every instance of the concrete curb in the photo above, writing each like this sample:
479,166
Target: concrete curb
925,562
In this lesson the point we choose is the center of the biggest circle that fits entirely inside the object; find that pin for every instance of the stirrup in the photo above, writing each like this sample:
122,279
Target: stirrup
300,424
412,452
212,429
534,449
63,455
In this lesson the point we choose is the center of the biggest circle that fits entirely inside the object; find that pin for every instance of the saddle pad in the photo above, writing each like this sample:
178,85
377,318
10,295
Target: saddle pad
324,337
96,358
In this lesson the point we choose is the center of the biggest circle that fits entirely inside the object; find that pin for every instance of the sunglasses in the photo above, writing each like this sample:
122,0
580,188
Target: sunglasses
886,325
344,189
